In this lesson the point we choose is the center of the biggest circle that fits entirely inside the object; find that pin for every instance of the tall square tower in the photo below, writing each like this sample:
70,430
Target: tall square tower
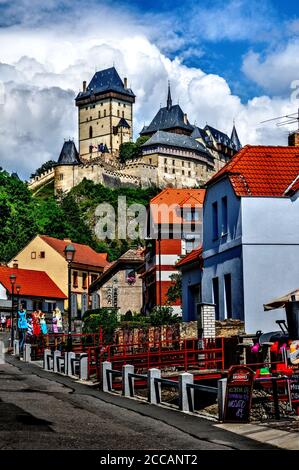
105,114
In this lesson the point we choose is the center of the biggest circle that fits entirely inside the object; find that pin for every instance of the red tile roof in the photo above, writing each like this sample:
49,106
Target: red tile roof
192,257
84,254
173,196
33,283
261,170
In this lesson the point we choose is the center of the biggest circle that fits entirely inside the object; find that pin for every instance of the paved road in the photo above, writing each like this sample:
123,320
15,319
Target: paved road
40,410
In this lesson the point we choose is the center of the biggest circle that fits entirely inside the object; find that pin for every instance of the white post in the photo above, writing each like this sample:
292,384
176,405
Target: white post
106,365
2,353
221,397
70,356
151,393
83,369
27,352
126,369
16,347
184,379
47,359
55,355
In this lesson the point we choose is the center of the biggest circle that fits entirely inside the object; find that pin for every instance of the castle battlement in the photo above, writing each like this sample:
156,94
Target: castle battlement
41,179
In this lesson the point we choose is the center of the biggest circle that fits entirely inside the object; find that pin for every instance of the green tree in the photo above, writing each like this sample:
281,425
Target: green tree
175,290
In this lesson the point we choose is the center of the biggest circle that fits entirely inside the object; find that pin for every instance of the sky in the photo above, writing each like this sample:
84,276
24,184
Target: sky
234,61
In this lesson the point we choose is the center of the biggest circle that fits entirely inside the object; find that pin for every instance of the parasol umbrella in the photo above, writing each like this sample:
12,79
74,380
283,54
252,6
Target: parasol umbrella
281,301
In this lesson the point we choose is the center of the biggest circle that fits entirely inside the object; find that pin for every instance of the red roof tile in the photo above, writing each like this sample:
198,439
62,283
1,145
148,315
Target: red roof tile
33,283
192,257
174,196
261,170
84,254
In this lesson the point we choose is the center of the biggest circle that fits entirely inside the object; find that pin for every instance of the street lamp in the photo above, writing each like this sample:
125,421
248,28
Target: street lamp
18,288
12,278
69,253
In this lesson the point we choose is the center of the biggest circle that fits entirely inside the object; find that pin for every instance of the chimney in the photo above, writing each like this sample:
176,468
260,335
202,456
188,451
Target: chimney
185,119
84,85
293,140
125,82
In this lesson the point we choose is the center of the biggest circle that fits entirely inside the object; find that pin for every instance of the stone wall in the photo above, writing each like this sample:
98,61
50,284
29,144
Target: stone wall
230,327
41,180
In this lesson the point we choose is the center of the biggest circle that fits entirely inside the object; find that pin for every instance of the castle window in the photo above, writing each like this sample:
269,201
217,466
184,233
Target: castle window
173,170
61,176
90,118
90,132
42,254
165,160
99,114
118,112
104,112
189,173
189,165
101,104
165,169
86,108
183,172
90,148
124,105
173,162
123,114
118,104
183,163
150,160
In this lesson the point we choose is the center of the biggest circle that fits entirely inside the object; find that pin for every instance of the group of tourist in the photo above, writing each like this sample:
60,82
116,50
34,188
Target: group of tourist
35,324
5,323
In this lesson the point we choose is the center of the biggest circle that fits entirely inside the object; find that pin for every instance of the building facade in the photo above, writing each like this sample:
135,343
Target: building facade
119,286
250,242
174,229
46,254
191,269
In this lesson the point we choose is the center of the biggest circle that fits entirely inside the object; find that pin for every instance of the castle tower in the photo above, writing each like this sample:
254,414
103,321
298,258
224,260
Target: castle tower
105,114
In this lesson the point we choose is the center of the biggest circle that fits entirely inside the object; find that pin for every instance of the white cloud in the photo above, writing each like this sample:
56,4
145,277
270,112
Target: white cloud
277,70
43,70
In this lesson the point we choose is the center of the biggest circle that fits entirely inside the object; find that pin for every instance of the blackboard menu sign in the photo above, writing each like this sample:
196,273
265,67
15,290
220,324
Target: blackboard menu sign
294,386
238,394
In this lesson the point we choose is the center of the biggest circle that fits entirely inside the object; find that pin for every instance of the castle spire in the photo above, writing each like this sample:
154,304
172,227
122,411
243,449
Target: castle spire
235,138
169,100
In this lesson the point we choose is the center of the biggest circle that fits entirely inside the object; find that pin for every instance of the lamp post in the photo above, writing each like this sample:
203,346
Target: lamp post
18,288
69,253
12,278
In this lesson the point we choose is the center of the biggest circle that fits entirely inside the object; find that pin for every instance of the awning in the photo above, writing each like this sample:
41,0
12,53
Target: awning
281,301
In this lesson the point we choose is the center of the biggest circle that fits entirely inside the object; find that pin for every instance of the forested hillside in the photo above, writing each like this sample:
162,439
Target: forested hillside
23,215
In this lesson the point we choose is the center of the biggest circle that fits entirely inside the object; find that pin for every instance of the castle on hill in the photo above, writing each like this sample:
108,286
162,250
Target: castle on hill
175,154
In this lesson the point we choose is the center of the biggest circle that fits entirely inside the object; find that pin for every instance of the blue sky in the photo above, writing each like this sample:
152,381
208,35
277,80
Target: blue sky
234,60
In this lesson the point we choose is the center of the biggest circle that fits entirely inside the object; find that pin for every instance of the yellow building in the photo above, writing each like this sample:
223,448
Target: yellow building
46,254
105,114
